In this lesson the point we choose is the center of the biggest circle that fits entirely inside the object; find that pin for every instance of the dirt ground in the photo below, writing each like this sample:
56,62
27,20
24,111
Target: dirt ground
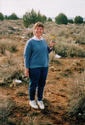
57,94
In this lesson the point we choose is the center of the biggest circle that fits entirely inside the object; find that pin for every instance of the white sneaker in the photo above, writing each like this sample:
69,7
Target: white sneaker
41,104
33,104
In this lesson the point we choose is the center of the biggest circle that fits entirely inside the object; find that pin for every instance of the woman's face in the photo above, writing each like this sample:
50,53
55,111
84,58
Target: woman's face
38,31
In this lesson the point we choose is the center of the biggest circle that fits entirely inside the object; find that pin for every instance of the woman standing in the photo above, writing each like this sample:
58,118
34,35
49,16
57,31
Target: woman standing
36,57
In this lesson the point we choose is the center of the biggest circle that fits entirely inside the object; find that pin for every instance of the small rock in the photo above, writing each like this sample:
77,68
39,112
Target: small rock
15,83
57,56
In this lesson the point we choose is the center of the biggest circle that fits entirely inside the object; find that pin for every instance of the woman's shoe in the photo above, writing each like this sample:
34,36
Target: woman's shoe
41,104
33,104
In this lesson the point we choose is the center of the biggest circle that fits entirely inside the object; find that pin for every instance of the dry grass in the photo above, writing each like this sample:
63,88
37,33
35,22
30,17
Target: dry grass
11,69
76,106
9,45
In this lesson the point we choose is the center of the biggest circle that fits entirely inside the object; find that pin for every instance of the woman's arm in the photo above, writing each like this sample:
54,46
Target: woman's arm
27,54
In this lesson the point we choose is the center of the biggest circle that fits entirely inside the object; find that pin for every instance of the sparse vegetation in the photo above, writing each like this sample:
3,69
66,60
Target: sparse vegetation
7,45
76,107
80,39
65,89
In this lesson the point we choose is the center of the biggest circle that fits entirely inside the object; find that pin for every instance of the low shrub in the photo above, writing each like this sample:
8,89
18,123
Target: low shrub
80,38
69,50
70,21
76,108
8,76
10,46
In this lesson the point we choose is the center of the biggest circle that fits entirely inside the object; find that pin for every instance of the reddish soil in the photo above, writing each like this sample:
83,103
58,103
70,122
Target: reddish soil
56,95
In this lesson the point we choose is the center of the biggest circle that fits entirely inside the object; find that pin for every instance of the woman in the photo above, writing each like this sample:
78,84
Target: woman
36,57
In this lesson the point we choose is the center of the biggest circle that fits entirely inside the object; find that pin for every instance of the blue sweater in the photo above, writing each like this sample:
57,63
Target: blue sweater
36,54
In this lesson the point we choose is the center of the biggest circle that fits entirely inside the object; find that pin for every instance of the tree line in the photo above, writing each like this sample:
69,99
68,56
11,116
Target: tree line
33,16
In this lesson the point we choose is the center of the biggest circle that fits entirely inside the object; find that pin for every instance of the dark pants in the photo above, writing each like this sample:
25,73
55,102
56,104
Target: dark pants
37,80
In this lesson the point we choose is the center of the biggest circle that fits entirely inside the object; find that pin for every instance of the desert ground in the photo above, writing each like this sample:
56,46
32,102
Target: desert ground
64,94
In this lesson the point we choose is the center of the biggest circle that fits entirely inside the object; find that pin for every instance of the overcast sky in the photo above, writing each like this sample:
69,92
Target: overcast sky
50,8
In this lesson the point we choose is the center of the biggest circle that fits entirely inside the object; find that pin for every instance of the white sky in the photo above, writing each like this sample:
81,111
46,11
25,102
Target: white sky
50,8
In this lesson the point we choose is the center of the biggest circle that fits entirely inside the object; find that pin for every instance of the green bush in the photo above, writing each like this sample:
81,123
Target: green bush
13,16
70,21
61,19
49,19
1,16
78,20
84,22
6,17
32,17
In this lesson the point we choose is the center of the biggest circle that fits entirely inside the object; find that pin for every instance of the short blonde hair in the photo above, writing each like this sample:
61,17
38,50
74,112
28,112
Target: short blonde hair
38,24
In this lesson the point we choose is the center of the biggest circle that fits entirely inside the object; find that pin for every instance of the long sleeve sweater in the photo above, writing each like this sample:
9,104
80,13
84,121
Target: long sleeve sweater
36,53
